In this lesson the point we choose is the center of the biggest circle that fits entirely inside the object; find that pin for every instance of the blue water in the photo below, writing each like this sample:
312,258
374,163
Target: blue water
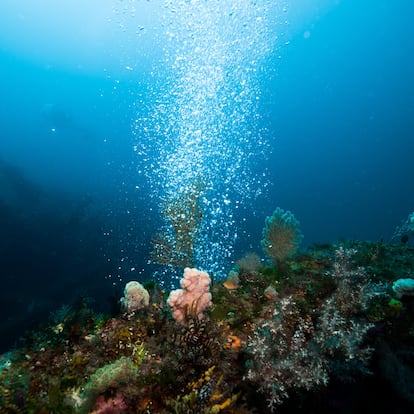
109,111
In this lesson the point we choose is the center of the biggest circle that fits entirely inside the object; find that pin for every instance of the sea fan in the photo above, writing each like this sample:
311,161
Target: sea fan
281,235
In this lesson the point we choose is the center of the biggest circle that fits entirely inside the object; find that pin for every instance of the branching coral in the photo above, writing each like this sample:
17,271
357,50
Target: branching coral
340,329
281,356
291,350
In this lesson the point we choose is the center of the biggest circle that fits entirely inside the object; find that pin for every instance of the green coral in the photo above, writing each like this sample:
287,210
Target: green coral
120,372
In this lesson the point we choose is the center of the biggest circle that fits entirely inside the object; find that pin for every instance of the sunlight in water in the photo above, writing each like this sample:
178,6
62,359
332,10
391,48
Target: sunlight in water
202,125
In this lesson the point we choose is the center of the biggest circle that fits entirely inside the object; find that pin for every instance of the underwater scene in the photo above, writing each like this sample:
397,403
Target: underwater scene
206,206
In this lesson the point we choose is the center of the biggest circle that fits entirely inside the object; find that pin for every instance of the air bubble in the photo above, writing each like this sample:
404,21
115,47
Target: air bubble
203,124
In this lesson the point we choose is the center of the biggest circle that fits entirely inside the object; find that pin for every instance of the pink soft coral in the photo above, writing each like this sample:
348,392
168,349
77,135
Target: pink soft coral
194,296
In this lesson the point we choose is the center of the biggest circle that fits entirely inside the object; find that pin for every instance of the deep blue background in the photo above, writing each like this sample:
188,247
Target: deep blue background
75,216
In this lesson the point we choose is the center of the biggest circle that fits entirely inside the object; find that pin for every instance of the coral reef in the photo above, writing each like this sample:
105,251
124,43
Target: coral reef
324,330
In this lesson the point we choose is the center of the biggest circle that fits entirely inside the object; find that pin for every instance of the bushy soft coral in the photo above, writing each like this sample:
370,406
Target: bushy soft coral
194,297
